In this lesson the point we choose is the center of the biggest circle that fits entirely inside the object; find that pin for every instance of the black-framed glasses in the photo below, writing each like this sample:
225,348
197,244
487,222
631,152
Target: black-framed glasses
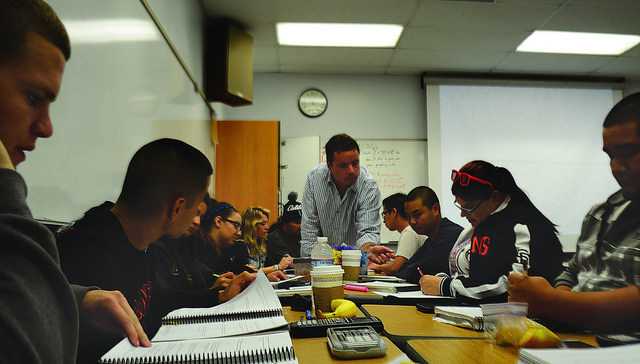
235,224
468,210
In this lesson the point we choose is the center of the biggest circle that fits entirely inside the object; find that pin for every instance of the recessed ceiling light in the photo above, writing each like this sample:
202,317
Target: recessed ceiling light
338,34
545,41
111,30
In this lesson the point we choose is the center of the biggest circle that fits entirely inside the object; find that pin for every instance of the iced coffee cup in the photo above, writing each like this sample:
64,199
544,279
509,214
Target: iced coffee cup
326,283
351,264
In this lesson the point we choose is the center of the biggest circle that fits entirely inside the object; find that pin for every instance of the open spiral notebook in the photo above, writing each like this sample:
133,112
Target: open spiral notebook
212,335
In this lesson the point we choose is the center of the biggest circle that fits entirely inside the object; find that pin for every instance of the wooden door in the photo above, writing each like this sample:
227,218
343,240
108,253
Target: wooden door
247,164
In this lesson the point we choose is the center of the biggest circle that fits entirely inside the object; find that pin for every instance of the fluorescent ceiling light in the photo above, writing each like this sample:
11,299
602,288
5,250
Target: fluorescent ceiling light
111,30
338,34
544,41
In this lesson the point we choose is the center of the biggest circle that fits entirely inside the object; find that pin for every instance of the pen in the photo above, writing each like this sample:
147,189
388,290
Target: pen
215,275
420,272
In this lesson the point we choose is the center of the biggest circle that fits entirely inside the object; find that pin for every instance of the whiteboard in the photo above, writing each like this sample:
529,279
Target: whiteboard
115,97
397,165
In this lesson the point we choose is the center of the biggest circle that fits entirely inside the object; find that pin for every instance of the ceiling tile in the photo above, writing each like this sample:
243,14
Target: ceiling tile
404,71
622,66
434,38
247,12
595,19
454,60
264,34
332,69
265,56
334,56
512,17
552,63
356,11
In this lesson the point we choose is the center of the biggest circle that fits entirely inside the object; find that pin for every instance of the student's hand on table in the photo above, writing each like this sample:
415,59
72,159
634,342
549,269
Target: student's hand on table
532,290
223,281
374,266
110,310
285,262
380,254
430,285
237,284
5,160
276,276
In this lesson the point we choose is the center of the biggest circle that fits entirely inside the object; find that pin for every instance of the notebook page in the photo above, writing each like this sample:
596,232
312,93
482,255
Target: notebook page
236,345
258,296
217,329
626,354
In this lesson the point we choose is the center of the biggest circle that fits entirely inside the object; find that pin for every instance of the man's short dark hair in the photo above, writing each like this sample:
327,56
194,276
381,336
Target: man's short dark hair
425,194
19,17
340,143
395,201
626,110
160,172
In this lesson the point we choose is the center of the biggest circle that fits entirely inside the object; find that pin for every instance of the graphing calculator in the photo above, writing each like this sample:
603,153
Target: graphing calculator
355,342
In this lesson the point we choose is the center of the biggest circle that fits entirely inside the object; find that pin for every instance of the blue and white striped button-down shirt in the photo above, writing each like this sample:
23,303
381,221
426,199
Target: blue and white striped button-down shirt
353,219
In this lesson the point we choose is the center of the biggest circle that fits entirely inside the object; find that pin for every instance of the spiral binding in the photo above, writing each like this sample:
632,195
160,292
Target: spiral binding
272,355
236,316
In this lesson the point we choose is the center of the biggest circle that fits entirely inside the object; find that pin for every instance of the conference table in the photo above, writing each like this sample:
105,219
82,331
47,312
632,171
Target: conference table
408,331
315,350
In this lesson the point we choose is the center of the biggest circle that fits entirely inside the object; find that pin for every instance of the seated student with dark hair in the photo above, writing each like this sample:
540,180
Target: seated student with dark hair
423,210
164,184
284,236
395,219
600,288
180,269
507,229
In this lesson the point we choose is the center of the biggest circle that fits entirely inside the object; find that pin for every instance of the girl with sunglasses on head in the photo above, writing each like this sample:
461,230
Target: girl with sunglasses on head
255,227
506,228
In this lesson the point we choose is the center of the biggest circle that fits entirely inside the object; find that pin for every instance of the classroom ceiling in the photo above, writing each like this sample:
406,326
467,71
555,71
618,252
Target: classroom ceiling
439,35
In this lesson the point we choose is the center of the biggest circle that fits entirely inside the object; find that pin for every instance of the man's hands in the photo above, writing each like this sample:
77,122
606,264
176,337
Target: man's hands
380,254
110,310
535,291
237,284
430,285
5,160
223,281
276,276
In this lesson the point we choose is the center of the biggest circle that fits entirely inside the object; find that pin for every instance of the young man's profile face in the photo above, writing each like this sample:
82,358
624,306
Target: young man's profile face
622,144
28,85
345,168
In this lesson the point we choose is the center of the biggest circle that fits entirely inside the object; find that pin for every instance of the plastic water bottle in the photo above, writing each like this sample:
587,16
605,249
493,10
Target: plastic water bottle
321,254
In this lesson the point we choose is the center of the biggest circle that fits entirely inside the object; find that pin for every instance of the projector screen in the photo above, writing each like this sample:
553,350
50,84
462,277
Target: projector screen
549,138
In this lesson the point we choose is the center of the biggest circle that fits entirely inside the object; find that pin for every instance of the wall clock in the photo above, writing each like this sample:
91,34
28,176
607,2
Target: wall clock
312,102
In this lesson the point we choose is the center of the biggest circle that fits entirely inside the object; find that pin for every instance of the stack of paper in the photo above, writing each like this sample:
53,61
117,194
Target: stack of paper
468,317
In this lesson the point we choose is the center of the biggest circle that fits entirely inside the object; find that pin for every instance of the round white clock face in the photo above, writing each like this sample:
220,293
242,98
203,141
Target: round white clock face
312,102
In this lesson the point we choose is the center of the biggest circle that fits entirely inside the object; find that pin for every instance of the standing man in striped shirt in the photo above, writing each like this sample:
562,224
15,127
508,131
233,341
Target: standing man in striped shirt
341,200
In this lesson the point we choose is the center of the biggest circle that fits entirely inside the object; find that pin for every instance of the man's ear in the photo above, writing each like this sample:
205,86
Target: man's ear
436,208
217,221
177,206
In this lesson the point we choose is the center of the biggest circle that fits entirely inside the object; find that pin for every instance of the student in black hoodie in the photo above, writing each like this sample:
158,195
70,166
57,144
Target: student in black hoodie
507,229
165,182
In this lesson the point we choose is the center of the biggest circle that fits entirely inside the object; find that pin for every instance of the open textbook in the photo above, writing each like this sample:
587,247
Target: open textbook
255,309
271,347
202,335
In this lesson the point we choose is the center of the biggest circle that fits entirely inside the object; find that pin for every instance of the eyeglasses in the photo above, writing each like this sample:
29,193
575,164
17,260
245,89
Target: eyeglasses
468,210
235,224
464,179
